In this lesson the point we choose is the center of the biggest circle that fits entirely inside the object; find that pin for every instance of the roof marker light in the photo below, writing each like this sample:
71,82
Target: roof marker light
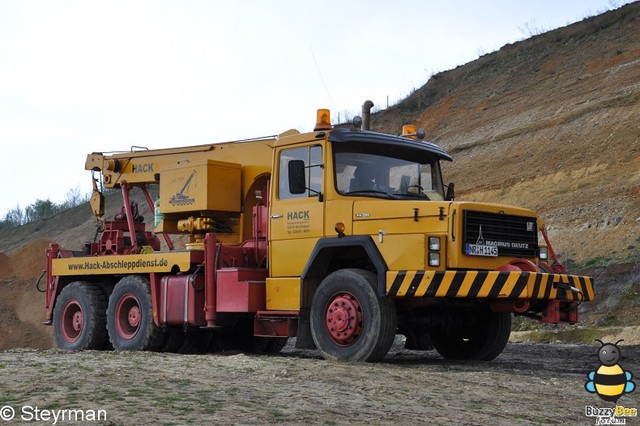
323,120
410,131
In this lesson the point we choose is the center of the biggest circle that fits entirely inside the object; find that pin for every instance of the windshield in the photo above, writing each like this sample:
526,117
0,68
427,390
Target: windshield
360,170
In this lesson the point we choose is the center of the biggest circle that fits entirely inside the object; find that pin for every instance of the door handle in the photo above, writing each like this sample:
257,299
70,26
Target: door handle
276,216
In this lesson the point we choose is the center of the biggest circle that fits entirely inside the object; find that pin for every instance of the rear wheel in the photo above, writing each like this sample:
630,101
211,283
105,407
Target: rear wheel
349,320
480,334
130,316
79,318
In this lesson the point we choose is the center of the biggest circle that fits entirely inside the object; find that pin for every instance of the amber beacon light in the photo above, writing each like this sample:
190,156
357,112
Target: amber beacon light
323,120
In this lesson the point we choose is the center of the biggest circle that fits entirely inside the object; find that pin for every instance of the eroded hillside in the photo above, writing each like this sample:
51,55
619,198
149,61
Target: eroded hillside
551,123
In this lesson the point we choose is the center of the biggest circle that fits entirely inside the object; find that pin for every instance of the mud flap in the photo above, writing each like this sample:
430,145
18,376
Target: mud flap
304,339
560,311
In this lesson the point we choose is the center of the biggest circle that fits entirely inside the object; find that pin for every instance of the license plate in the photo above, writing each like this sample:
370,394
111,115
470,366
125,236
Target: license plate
478,250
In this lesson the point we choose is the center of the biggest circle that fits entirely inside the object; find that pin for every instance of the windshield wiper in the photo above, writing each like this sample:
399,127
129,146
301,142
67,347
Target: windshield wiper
370,191
420,195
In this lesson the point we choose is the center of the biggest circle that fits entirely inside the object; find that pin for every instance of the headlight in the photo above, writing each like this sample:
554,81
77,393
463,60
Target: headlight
434,259
434,243
544,254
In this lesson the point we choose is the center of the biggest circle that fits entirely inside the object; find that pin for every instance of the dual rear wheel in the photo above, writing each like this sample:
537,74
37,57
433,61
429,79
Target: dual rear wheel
80,317
130,316
84,318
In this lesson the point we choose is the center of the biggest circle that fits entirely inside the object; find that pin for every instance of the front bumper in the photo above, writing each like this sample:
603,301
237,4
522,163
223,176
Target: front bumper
489,285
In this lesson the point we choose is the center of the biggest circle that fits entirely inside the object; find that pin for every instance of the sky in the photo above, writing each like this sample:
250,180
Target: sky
82,76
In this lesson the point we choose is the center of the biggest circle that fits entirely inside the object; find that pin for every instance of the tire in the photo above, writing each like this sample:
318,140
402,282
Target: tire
130,317
349,321
79,318
483,336
414,326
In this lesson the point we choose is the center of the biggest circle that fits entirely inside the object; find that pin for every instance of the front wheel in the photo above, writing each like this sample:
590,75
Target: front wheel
130,316
479,334
79,317
349,320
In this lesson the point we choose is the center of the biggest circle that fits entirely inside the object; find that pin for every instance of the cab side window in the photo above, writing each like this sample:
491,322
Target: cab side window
311,156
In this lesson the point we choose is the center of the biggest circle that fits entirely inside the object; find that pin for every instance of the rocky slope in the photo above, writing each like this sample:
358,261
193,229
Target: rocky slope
551,123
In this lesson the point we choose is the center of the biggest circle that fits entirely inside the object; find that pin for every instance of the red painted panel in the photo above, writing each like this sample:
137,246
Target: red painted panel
241,290
182,300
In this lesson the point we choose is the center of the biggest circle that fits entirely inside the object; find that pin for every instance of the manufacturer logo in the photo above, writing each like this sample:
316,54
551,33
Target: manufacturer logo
181,198
610,381
480,248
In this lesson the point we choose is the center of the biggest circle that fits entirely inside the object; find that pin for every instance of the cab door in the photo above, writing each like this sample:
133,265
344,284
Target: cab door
297,209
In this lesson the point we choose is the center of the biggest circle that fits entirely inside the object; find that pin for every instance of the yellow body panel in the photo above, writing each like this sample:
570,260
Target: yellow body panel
225,178
283,294
200,186
338,211
295,225
289,257
140,167
397,209
122,264
402,251
400,229
403,226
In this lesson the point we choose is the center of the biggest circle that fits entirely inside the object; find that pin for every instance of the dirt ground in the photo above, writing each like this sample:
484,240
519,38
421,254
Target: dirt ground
528,384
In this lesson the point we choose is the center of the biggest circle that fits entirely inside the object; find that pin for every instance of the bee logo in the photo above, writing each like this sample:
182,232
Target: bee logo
609,381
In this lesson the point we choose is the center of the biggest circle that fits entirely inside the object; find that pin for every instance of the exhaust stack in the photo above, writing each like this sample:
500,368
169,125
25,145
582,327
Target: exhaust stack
366,114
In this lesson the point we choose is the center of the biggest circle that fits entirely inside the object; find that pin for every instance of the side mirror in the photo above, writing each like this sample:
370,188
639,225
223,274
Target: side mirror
451,195
297,181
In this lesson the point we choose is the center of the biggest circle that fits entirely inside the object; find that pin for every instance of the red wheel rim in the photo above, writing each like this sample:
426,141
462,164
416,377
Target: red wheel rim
344,318
128,316
72,321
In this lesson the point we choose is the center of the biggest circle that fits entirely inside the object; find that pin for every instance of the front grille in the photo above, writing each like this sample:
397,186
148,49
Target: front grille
497,234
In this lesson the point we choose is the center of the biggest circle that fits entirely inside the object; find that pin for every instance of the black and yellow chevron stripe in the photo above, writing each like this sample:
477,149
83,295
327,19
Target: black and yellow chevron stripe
488,284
